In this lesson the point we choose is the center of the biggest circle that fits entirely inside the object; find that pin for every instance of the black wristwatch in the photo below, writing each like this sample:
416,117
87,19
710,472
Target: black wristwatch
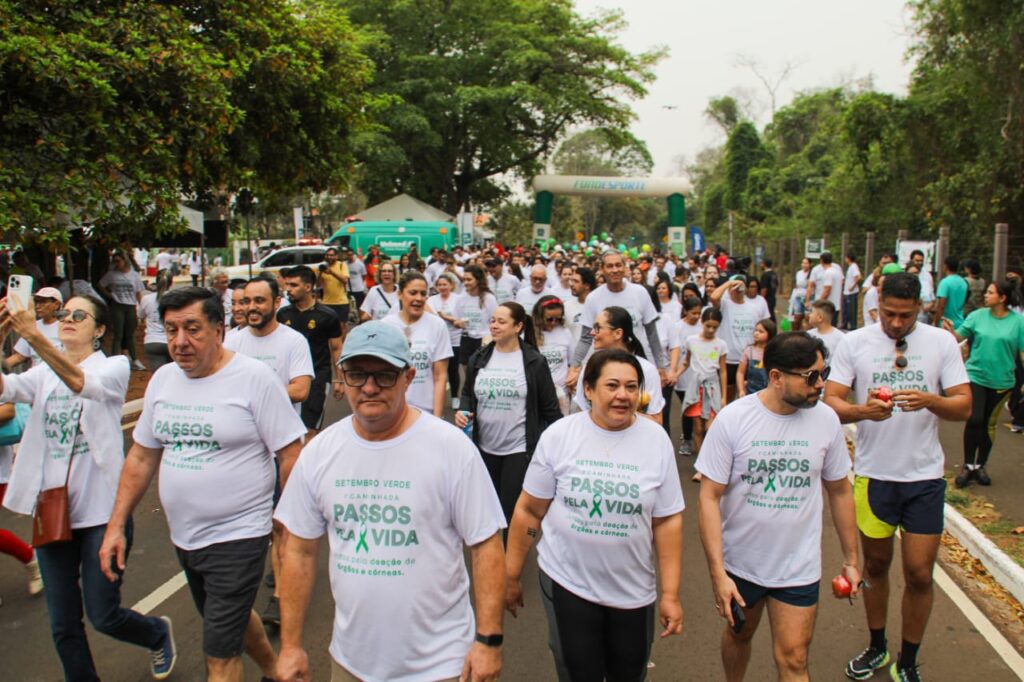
490,640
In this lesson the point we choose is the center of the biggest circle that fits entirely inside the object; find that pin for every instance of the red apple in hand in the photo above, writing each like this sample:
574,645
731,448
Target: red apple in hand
884,394
841,587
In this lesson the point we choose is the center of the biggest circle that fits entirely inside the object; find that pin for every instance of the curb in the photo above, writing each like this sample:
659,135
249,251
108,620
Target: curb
1005,570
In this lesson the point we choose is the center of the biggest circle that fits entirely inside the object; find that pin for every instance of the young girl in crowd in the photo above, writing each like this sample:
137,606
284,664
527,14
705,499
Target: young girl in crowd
555,343
704,388
751,376
685,327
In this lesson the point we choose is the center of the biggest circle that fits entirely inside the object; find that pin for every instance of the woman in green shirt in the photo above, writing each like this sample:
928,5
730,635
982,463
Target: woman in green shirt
996,336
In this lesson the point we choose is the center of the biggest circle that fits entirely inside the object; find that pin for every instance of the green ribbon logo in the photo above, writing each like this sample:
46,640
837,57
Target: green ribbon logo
362,537
490,395
770,485
596,509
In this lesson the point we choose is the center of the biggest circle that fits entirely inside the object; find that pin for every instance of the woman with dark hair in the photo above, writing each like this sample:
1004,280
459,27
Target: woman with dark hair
429,344
155,340
613,328
123,287
555,343
73,437
473,311
996,337
602,535
669,310
510,399
443,304
404,264
798,307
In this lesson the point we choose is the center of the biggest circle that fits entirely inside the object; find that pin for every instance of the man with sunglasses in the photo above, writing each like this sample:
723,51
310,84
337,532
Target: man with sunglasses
398,493
899,462
48,304
765,461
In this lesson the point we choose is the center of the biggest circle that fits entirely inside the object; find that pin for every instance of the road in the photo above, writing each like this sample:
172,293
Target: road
953,650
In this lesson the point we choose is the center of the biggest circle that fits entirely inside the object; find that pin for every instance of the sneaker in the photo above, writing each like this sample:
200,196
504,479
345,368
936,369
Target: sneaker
898,674
136,364
864,665
1017,428
161,659
456,403
272,614
964,478
982,476
686,448
35,578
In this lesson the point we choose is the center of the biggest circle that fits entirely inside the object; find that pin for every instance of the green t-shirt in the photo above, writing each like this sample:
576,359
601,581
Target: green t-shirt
953,288
995,344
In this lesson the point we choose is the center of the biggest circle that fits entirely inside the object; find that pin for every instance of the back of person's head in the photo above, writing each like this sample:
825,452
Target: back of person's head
901,285
826,307
768,263
176,299
619,318
793,351
952,263
826,257
972,266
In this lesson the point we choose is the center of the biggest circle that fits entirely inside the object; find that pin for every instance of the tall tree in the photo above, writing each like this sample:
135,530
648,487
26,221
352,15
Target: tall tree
484,90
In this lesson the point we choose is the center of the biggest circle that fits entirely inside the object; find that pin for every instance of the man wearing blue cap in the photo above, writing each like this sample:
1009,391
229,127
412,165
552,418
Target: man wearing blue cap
398,493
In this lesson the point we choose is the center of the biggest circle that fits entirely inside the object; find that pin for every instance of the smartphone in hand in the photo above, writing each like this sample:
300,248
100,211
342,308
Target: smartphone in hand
19,290
739,619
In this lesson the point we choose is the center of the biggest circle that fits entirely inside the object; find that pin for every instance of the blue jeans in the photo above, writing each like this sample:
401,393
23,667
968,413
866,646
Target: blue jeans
62,565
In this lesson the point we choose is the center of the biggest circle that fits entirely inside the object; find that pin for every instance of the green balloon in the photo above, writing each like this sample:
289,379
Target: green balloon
604,235
622,247
632,252
590,252
785,325
575,248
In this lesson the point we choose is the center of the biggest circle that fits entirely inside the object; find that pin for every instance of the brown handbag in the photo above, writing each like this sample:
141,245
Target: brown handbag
52,519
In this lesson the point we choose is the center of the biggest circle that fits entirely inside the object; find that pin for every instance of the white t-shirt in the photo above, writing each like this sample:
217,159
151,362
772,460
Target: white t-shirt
831,341
477,316
218,435
50,331
870,303
90,498
852,273
397,514
356,275
378,303
163,261
906,446
738,322
652,386
557,350
822,278
440,305
500,391
573,315
705,355
123,286
284,350
634,298
678,333
504,288
671,311
527,298
150,312
557,290
605,488
428,343
773,466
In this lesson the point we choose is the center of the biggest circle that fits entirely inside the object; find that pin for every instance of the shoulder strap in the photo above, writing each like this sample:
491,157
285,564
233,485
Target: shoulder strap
74,437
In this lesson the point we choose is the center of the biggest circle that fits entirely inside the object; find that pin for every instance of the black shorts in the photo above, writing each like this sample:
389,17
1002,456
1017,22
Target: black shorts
798,595
730,373
313,406
224,579
914,506
341,311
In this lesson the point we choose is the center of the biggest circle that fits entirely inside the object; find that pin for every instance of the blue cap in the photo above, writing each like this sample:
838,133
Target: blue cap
378,340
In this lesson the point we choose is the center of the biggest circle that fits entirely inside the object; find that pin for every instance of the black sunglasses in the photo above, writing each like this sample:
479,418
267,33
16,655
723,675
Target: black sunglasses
811,376
385,378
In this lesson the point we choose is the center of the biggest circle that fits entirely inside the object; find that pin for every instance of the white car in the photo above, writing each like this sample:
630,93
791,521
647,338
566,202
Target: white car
286,257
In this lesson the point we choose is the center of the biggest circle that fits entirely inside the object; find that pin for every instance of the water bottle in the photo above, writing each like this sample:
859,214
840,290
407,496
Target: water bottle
468,428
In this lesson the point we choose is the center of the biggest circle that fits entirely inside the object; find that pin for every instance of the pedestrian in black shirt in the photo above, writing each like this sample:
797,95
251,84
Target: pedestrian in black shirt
322,329
769,286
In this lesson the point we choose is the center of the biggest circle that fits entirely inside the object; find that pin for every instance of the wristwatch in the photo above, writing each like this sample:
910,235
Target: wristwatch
490,640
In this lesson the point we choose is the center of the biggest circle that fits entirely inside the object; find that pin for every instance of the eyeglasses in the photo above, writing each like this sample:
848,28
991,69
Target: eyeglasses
384,378
75,315
556,320
901,358
811,376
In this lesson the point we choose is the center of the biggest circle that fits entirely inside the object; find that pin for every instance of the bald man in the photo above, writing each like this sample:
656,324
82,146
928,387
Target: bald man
528,296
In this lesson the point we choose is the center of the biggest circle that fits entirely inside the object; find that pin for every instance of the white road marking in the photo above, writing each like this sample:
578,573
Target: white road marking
160,594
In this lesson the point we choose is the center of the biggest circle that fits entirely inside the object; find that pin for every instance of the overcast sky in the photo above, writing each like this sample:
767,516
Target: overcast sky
828,42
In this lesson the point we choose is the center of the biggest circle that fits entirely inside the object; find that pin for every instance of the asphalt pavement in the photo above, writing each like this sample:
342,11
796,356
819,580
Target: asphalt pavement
953,648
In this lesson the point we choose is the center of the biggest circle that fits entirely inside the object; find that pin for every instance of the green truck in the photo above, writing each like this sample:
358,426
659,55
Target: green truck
394,237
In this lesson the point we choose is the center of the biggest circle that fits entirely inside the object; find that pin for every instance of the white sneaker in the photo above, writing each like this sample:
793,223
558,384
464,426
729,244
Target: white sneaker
686,448
456,403
137,364
35,578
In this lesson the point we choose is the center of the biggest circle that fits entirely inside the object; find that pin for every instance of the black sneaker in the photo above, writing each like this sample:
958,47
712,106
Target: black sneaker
864,666
272,614
964,478
982,476
898,674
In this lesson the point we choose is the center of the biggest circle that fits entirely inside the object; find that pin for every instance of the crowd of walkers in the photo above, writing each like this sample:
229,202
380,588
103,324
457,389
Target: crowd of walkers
560,369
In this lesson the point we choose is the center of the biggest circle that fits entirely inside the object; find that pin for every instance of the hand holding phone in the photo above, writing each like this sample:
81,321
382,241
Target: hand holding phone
739,618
